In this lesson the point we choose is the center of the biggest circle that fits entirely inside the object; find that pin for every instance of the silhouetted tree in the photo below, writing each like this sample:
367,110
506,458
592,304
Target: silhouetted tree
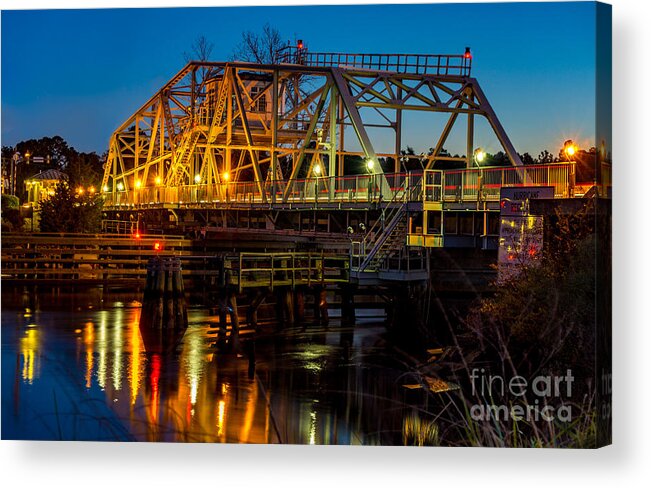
200,50
259,48
527,158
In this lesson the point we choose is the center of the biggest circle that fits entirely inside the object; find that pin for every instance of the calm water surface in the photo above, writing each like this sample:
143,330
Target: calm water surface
74,367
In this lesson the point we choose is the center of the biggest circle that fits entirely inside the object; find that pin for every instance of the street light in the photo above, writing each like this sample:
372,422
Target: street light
370,165
138,184
570,149
197,179
120,186
480,156
158,180
225,177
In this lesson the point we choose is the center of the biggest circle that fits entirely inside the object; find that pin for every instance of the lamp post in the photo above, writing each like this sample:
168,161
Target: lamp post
370,167
316,171
479,157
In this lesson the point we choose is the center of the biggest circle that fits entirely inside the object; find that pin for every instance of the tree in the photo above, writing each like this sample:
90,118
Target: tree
67,211
545,157
527,158
84,170
200,50
11,218
259,48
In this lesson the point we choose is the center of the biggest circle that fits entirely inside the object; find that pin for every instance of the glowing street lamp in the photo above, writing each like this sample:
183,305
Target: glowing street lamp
105,189
158,180
370,165
317,170
570,149
91,190
480,156
138,184
225,177
197,179
120,186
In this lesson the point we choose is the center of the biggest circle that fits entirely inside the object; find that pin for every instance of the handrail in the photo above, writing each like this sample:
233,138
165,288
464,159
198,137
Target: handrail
396,213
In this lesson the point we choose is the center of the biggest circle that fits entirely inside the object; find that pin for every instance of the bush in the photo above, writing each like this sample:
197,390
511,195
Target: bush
66,211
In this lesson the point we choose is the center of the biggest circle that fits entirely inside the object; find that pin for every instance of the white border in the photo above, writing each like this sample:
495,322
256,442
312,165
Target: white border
624,464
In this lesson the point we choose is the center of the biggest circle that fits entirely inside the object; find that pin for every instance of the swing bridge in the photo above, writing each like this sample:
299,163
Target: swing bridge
283,155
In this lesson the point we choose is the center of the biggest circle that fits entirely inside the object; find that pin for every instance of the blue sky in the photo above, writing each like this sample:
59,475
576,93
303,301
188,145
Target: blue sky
80,73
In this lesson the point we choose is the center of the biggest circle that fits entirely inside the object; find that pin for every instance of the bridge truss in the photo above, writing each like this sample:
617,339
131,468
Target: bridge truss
270,128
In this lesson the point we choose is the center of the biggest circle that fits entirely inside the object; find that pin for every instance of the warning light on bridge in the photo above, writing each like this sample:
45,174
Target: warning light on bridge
158,246
467,54
299,44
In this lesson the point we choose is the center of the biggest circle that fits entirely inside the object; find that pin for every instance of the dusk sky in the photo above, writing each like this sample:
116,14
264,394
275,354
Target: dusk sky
81,73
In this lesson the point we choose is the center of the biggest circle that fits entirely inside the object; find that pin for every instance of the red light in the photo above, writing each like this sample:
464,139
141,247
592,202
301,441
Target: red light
467,54
299,44
137,236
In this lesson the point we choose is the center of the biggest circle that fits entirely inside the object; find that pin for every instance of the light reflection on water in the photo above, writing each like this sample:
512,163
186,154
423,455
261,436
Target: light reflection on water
84,373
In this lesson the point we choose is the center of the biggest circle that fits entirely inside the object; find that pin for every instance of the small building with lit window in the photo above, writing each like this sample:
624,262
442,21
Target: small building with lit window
42,185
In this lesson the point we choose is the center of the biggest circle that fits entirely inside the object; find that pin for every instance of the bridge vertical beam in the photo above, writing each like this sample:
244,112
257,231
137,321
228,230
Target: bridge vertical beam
332,153
274,135
398,128
470,140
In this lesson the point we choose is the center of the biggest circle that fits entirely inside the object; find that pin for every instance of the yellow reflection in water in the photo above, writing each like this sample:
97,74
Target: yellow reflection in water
117,356
220,417
89,341
29,347
249,413
101,348
312,427
136,365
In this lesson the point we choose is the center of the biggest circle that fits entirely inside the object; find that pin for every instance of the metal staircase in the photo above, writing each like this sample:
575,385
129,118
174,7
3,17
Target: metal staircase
180,170
388,235
216,127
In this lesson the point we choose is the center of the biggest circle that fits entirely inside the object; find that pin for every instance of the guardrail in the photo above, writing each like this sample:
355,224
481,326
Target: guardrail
326,189
485,183
439,185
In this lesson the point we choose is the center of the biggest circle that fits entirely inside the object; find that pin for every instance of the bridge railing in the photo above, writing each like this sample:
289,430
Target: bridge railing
450,185
485,183
438,64
316,190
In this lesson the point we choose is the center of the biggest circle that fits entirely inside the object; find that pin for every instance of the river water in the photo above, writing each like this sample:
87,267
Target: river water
74,367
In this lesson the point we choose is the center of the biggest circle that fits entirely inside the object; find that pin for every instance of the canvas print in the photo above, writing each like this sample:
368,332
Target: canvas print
308,225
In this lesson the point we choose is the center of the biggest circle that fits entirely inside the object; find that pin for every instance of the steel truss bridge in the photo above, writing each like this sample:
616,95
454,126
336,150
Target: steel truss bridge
242,136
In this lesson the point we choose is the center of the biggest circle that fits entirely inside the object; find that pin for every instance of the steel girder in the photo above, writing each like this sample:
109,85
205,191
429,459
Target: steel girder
270,124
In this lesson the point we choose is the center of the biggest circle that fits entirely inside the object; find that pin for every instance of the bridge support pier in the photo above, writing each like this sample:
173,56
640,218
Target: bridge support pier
347,305
252,311
320,306
164,316
299,295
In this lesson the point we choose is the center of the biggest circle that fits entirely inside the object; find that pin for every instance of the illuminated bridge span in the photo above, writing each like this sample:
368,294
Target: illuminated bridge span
282,157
